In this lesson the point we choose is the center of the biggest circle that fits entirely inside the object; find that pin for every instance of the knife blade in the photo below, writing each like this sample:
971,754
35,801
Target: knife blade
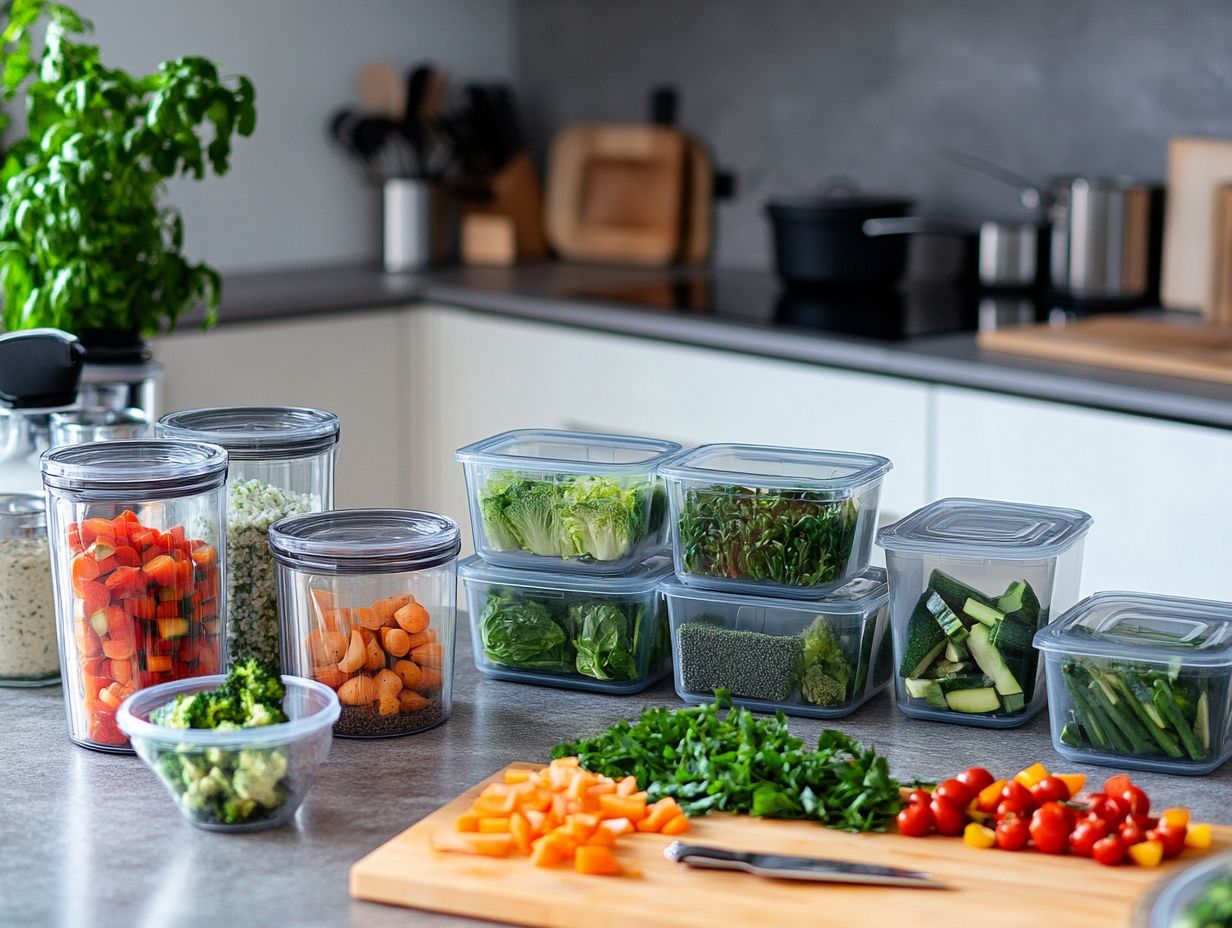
787,867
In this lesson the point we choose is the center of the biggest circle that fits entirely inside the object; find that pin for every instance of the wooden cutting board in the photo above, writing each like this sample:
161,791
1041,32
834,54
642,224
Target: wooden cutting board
987,888
1151,346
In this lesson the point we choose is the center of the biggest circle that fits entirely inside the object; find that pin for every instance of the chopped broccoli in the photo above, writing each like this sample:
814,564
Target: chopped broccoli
824,669
219,786
821,689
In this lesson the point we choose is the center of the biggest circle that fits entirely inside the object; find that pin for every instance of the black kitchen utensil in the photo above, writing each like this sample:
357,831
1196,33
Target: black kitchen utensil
413,127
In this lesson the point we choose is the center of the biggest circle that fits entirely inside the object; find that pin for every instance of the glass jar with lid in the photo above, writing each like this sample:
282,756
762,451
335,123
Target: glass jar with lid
136,533
83,426
28,654
367,598
282,464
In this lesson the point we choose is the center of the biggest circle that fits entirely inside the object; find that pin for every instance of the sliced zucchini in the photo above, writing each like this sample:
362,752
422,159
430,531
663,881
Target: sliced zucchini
991,662
925,641
985,615
949,622
928,690
1014,702
956,652
1202,722
1012,637
955,592
966,681
983,699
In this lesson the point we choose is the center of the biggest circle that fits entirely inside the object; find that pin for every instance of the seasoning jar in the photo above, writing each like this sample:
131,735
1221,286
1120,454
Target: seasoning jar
28,655
135,529
367,600
282,464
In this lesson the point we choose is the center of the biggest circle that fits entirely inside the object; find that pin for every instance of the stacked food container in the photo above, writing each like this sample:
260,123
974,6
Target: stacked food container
971,582
570,529
773,599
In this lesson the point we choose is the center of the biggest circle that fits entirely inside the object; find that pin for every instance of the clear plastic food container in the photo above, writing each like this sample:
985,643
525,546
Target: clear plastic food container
971,581
577,501
1195,896
268,768
28,652
1141,681
83,426
367,599
772,521
822,658
136,532
604,634
282,464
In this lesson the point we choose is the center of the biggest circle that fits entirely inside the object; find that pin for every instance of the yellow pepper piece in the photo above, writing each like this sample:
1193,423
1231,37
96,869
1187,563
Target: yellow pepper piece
990,795
1075,782
1147,853
1175,818
1198,837
1031,775
976,835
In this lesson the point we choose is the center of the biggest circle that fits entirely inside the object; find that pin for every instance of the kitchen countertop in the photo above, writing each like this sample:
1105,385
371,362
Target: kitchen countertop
93,839
565,294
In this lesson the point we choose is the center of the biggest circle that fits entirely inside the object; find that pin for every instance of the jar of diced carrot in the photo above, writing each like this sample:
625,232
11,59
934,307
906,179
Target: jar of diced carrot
366,601
137,550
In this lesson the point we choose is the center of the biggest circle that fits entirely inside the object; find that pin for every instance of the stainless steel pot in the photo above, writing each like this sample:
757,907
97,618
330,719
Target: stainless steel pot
1007,250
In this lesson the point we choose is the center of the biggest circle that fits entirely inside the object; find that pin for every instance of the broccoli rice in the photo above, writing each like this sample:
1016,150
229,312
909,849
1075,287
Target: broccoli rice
252,595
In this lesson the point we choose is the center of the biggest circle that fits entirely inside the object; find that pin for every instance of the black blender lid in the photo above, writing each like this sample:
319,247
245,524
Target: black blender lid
40,368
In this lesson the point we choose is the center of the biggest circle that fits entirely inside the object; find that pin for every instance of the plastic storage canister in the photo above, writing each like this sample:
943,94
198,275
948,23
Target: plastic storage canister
772,521
576,501
553,628
1141,681
367,599
821,658
136,532
282,464
971,581
1170,900
86,425
28,653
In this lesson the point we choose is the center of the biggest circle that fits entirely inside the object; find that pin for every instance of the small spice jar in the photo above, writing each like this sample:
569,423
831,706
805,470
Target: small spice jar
367,599
28,654
136,529
282,464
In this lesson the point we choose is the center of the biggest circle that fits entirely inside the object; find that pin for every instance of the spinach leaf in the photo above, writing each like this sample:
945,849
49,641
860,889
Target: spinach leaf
604,645
523,635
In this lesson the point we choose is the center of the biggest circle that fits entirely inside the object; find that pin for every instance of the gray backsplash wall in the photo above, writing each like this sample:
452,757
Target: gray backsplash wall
788,92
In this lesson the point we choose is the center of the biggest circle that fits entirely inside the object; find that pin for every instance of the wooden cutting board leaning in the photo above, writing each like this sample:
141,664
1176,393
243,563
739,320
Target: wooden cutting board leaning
986,888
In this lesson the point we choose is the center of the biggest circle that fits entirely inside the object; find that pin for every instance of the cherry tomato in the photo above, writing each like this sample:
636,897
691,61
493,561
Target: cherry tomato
977,778
1115,785
1013,834
948,816
1050,828
916,820
1145,822
955,790
1085,834
1130,832
1018,793
1108,808
918,796
1172,838
1050,789
1135,800
1010,808
1109,851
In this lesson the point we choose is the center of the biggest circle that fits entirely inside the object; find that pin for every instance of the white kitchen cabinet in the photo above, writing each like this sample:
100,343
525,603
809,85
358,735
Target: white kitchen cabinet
355,364
477,374
1158,491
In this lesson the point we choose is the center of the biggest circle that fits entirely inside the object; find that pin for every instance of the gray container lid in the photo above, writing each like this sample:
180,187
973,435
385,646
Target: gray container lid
982,528
256,432
640,579
365,541
1144,627
774,468
860,595
147,468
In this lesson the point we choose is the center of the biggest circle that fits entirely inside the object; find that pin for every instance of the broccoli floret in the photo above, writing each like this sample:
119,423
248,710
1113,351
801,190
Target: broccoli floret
257,681
824,670
258,776
821,689
533,517
252,695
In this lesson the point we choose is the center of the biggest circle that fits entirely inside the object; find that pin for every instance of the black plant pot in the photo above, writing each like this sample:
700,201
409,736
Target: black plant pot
114,346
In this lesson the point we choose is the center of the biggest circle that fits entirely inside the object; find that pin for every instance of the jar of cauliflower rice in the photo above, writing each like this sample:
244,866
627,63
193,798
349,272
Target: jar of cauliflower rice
282,464
28,651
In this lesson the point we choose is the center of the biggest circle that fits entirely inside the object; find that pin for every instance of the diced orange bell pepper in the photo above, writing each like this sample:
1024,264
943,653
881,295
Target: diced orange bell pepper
485,845
1175,818
1029,776
1198,836
1147,853
1075,782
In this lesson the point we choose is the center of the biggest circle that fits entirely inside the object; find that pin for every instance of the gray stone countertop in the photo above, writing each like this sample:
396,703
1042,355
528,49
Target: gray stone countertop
93,840
589,297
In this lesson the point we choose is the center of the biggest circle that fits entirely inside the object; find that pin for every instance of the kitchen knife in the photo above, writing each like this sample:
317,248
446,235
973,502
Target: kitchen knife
785,867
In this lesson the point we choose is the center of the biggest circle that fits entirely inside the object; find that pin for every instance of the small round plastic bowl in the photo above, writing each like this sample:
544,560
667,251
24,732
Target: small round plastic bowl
246,779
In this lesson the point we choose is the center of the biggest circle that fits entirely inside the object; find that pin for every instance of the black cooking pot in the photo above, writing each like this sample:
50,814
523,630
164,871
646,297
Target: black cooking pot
821,239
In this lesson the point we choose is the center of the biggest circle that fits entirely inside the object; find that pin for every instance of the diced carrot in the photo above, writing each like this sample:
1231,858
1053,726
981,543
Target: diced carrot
618,826
330,676
120,625
545,853
322,602
84,568
495,805
485,845
493,824
412,618
142,607
468,821
431,654
622,807
395,641
375,657
110,695
582,825
161,570
520,829
118,650
121,671
536,820
430,680
356,654
94,529
368,618
604,787
597,861
88,643
204,555
127,556
125,579
627,786
675,826
94,596
517,776
659,815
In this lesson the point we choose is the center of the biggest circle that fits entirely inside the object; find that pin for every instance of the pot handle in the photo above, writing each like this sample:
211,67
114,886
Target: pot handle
913,225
